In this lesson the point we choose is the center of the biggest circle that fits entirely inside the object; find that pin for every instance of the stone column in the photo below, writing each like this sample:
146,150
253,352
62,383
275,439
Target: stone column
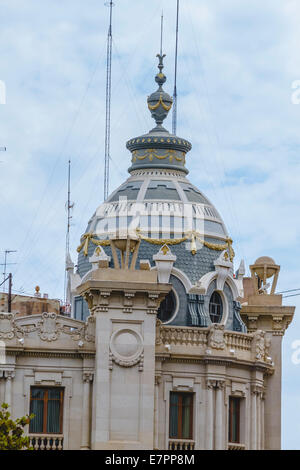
86,406
263,421
9,375
253,419
210,384
219,445
258,415
156,411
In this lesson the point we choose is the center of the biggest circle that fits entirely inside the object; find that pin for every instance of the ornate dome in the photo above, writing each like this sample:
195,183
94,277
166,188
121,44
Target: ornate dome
159,205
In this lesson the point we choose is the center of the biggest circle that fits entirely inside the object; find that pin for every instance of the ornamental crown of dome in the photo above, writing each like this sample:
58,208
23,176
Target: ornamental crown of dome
159,149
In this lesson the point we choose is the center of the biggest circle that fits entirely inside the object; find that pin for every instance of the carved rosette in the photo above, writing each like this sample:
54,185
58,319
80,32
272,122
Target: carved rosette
126,348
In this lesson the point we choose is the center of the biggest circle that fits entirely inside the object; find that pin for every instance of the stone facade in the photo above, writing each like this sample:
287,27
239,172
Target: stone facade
118,369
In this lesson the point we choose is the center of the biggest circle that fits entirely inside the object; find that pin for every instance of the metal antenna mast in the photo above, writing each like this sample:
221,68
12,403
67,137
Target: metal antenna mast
108,103
2,149
5,264
174,115
69,206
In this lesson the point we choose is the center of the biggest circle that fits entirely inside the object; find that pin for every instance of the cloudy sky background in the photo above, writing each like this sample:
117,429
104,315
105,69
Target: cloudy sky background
237,62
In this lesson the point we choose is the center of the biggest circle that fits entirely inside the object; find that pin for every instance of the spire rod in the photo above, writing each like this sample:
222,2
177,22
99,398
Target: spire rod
174,116
108,103
161,32
69,206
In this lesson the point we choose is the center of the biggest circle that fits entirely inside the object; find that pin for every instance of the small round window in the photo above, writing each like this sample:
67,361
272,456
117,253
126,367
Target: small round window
215,308
167,307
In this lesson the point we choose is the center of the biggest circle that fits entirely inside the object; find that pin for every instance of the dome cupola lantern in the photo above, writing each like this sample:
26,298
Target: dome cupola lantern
159,149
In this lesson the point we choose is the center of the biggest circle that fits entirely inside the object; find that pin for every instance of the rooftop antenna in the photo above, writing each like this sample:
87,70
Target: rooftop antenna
2,149
108,103
69,207
5,264
174,116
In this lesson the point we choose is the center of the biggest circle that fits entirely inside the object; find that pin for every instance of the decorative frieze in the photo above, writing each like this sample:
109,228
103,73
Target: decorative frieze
49,327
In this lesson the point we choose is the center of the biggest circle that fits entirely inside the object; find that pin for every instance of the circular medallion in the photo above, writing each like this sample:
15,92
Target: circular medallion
126,346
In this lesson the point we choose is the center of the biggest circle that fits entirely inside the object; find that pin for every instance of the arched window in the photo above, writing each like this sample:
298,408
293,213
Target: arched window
167,307
215,308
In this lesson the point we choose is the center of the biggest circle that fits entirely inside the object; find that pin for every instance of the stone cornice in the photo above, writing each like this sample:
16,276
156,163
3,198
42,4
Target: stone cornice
274,319
266,369
49,353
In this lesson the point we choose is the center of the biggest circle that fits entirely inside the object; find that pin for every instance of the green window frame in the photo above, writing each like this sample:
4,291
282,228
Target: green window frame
181,415
234,420
47,406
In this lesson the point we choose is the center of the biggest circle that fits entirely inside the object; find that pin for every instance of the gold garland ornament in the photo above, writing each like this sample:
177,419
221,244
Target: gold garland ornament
88,237
151,153
160,101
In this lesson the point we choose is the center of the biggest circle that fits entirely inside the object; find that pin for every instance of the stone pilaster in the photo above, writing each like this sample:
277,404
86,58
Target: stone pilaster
210,384
9,375
219,424
124,304
86,407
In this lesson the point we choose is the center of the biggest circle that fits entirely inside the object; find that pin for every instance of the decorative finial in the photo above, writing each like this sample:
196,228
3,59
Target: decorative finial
160,77
160,102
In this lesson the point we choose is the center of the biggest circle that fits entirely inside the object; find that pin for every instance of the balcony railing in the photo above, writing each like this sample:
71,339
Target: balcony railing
181,444
236,446
46,441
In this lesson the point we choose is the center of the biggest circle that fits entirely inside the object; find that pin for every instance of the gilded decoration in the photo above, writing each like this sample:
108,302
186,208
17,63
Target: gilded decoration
152,153
192,235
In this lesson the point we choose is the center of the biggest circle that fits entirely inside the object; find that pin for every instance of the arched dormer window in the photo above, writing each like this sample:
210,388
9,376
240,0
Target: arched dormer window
215,307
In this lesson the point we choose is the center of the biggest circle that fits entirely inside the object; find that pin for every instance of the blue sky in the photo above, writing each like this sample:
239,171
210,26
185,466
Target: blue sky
237,62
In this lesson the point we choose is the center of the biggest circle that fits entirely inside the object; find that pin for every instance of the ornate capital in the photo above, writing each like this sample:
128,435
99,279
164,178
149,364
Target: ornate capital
220,384
157,379
87,377
9,374
257,390
211,384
